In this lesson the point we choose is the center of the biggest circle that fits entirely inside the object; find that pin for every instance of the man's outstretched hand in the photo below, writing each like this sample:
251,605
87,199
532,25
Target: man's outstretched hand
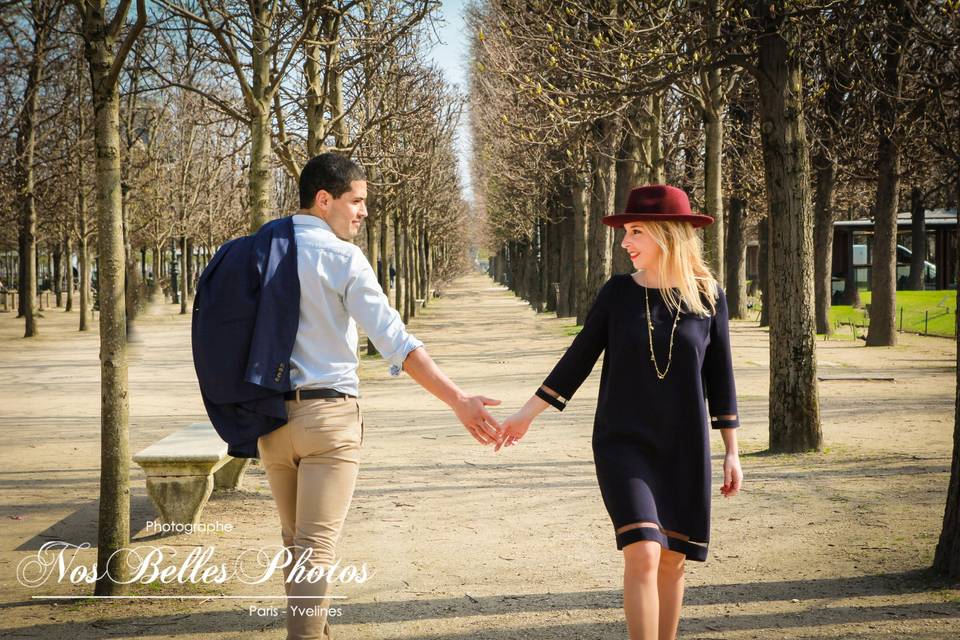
472,412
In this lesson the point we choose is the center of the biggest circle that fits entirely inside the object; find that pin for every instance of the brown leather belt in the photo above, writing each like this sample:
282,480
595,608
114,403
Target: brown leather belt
313,394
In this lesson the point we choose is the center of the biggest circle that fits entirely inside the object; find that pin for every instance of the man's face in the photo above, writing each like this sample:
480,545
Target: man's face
344,214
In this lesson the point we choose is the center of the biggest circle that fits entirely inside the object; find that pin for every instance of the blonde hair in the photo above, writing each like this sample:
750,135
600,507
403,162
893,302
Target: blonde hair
681,254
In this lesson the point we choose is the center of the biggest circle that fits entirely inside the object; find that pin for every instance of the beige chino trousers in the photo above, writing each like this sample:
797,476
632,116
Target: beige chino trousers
311,464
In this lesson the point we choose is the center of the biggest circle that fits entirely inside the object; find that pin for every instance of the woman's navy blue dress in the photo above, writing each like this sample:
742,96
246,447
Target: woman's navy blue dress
651,441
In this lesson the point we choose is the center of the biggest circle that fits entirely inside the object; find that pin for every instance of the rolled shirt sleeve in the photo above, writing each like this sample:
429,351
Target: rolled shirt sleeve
369,306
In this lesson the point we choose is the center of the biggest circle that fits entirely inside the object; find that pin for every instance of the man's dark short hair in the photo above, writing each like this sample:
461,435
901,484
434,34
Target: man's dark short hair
332,172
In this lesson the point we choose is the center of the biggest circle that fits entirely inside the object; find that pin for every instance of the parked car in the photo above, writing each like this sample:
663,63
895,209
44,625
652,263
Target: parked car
904,254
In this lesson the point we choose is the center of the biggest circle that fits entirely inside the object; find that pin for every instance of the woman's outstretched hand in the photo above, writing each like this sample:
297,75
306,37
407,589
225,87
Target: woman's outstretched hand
732,475
513,429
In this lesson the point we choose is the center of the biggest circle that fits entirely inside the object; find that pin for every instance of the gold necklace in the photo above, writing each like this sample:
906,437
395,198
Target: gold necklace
653,356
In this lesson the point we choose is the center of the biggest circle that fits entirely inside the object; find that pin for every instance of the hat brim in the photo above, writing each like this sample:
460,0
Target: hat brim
619,219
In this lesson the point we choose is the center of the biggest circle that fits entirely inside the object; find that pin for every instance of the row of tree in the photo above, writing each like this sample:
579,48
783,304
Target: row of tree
774,114
137,140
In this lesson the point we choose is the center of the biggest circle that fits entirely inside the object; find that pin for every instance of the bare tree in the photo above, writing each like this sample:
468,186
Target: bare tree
259,48
794,400
42,17
105,60
883,274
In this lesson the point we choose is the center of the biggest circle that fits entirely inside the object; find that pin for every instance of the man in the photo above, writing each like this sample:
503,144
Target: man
312,461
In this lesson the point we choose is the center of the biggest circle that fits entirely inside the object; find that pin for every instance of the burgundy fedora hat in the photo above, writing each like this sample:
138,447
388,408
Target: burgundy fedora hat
657,202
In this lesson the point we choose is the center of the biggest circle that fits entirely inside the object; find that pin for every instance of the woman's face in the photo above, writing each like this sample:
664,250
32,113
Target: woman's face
643,249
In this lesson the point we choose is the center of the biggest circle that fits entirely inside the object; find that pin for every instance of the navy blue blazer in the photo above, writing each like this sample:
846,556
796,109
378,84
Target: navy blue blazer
245,318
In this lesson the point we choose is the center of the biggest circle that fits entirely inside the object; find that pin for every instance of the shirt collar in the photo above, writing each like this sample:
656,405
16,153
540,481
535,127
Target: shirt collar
311,221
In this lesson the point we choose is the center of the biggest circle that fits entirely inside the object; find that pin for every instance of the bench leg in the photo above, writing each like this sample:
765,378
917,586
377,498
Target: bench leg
230,475
180,499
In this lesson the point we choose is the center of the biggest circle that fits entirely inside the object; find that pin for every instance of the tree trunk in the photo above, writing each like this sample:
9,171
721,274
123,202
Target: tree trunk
428,256
192,261
39,293
602,193
373,246
883,272
84,255
946,558
736,257
518,260
153,275
21,269
174,275
57,278
579,263
741,119
335,100
313,79
398,258
410,293
823,241
260,179
794,402
383,269
851,291
422,266
658,162
68,256
713,241
132,279
184,274
552,264
566,296
533,271
713,99
114,514
918,241
413,246
689,173
628,177
24,176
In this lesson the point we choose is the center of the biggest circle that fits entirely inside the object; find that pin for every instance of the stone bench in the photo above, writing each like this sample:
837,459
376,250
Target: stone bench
185,467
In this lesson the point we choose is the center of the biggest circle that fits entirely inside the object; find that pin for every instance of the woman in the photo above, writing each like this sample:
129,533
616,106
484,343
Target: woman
664,331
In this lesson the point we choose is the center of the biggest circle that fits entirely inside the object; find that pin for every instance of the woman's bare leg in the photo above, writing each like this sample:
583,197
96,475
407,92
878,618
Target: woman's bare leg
641,605
670,591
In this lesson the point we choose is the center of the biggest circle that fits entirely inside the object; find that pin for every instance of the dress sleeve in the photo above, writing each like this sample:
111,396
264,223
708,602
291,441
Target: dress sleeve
577,363
717,372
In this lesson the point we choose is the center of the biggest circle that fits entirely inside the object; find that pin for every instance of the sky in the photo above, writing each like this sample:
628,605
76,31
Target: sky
450,55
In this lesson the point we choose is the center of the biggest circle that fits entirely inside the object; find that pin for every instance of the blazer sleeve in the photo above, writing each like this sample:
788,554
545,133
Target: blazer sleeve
717,372
578,361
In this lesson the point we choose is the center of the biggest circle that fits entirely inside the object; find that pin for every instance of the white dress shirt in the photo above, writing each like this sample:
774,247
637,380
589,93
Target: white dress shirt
338,289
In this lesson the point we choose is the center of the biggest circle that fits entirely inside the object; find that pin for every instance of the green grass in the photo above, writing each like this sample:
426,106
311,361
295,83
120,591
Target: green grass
940,307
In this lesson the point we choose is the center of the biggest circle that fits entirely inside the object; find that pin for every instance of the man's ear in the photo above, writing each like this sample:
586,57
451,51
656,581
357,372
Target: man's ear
322,198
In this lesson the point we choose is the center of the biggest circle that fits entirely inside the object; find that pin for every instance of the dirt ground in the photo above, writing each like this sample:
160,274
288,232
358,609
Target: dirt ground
466,544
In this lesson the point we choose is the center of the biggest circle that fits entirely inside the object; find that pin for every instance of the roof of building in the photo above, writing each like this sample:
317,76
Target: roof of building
932,218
